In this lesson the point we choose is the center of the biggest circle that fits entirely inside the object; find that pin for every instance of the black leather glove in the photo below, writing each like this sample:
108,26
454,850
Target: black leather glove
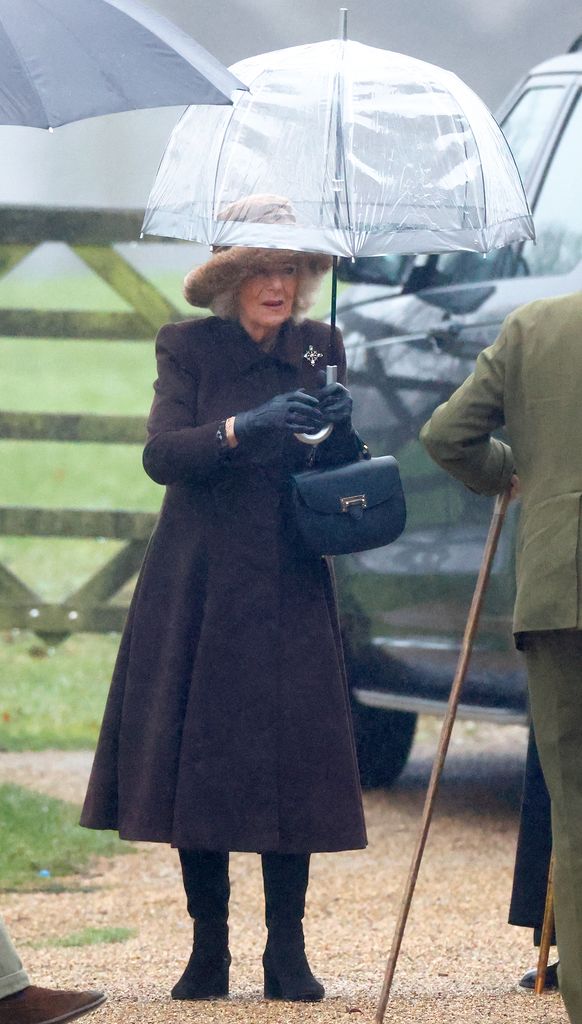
335,404
295,411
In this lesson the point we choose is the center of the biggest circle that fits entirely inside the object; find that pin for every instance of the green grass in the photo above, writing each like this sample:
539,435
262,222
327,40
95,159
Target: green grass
41,834
54,375
88,937
53,696
81,476
79,290
55,566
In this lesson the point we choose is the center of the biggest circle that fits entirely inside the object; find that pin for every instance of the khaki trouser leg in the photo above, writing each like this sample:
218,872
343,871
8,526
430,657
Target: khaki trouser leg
554,668
13,977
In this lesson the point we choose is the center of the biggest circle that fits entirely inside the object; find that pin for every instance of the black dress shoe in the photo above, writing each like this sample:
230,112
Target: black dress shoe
528,982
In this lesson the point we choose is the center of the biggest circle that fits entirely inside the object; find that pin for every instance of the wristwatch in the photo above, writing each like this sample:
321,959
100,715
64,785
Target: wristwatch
221,438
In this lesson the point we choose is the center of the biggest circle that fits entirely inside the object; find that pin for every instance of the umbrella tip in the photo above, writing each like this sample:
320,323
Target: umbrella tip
343,23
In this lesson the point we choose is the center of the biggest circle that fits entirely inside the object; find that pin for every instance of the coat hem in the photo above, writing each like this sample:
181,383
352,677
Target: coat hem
258,845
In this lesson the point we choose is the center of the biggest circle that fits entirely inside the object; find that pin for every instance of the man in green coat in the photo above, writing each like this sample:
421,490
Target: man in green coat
530,382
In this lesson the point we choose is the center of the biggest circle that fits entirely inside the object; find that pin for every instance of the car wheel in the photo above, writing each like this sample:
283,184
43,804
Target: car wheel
383,743
383,738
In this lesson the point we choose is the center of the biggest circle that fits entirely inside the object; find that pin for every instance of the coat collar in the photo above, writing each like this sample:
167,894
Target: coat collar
245,352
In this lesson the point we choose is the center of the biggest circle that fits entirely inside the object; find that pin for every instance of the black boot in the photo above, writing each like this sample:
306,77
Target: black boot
287,973
205,875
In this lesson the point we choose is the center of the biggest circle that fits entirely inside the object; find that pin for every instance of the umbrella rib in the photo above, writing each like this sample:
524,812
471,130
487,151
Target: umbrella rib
341,145
219,157
482,181
24,67
90,57
159,26
480,162
326,158
344,42
347,198
340,158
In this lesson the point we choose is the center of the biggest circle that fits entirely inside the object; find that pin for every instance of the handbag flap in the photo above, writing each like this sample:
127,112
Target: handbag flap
376,480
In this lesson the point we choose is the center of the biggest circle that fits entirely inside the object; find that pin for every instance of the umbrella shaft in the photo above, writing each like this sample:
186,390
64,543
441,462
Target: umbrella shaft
333,297
343,23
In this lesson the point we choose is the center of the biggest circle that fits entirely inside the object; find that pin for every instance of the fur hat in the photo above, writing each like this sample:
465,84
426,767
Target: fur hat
216,283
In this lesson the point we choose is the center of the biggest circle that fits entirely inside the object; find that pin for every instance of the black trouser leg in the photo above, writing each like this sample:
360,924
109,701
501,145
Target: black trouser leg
205,876
287,972
534,848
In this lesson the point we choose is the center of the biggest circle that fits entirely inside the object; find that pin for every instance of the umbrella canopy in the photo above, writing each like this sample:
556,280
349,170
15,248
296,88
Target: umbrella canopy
377,152
64,60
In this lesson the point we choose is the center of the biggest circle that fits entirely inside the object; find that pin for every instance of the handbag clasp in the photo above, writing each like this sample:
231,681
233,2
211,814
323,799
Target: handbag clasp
353,502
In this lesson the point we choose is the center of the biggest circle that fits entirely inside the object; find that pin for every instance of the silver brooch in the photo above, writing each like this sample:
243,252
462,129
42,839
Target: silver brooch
312,355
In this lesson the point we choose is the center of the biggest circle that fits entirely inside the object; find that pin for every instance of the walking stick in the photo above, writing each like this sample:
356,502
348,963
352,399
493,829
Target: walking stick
499,510
547,929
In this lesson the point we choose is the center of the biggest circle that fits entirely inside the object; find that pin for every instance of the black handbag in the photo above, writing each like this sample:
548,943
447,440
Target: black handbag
352,507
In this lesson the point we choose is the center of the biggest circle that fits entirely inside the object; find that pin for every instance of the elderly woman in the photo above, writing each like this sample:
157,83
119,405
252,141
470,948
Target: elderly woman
227,725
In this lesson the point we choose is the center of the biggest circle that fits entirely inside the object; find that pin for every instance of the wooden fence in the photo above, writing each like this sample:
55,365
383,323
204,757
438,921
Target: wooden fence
91,235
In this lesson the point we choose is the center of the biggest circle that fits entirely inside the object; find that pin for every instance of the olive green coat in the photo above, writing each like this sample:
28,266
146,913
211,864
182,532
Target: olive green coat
530,381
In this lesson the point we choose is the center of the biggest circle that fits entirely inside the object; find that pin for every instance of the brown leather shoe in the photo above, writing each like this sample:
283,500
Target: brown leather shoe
33,1005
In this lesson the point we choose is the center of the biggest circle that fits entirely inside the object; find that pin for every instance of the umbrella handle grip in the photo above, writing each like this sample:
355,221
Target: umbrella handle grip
323,434
315,439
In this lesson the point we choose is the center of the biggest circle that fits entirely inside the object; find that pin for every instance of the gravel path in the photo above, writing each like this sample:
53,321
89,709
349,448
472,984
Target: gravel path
459,960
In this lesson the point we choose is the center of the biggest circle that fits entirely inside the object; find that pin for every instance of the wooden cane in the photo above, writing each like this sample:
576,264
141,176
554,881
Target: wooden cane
547,929
499,510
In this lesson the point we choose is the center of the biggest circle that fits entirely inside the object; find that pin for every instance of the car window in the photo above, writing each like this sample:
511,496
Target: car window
558,210
396,386
524,127
528,122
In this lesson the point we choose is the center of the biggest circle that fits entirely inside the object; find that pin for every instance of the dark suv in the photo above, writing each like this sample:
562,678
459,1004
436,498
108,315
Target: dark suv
413,327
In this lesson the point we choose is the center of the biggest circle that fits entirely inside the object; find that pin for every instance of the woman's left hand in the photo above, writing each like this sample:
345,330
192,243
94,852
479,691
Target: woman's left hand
335,403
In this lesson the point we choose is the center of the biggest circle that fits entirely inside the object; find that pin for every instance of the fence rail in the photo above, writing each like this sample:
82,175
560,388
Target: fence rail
87,427
91,235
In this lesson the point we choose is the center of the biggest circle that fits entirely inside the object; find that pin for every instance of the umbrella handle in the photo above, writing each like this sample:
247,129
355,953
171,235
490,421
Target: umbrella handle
316,439
323,434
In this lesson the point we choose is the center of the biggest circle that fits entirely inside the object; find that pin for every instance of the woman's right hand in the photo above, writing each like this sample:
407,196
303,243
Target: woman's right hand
294,412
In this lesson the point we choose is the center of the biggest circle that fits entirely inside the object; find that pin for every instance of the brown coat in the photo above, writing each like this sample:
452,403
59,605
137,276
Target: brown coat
227,725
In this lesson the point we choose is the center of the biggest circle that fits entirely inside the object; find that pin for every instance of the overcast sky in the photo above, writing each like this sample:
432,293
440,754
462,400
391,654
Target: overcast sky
489,43
112,161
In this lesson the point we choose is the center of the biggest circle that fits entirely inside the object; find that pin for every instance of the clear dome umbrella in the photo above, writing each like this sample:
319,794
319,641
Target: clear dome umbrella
377,152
